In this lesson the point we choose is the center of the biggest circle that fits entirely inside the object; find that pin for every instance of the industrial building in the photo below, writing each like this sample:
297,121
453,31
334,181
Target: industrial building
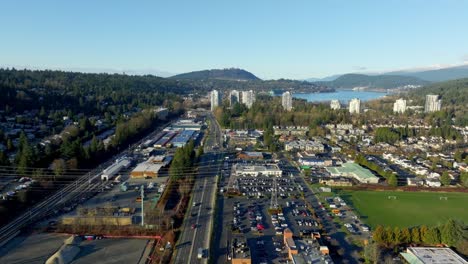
150,168
182,138
185,124
163,142
113,169
353,170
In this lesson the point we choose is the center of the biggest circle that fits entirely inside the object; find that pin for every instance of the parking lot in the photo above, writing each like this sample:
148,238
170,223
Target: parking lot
247,210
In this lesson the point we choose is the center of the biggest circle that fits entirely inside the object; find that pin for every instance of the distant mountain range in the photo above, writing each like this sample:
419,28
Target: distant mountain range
373,81
440,75
393,79
232,74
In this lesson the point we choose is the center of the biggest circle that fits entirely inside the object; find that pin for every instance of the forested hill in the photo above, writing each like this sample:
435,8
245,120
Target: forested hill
373,81
82,84
89,82
454,93
219,74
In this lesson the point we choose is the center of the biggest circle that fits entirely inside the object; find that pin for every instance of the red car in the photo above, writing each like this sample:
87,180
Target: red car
194,226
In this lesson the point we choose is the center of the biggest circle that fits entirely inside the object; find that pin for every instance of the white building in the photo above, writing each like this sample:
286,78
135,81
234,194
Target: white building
234,97
433,103
399,106
286,101
432,255
215,99
355,106
248,98
335,105
257,170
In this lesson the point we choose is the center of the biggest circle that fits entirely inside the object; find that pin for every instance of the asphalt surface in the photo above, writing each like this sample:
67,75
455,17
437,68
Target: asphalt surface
67,196
196,229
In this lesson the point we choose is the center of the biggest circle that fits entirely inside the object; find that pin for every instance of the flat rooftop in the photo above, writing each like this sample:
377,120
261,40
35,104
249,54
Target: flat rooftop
148,166
351,168
432,255
259,168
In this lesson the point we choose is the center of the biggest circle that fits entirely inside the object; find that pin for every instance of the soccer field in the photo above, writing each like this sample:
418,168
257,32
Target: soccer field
406,209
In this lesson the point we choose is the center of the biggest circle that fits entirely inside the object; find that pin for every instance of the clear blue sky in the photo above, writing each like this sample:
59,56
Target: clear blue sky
272,39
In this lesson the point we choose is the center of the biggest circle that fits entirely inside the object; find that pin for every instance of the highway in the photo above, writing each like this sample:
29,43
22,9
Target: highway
203,196
72,192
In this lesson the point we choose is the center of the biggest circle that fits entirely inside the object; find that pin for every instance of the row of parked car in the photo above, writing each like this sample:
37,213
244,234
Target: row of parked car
24,183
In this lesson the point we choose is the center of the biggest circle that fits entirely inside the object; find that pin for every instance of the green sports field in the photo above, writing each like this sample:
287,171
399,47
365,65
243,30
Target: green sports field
406,209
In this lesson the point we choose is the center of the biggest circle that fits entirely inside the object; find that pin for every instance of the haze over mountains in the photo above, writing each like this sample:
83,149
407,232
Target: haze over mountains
388,80
393,79
437,75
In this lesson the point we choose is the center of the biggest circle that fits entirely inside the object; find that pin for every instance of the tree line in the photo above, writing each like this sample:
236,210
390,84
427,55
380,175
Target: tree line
450,233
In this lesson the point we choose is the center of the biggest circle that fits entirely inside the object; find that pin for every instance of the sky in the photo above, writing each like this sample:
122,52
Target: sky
272,39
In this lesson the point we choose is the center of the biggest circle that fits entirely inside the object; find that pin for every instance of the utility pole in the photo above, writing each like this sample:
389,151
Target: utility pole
142,194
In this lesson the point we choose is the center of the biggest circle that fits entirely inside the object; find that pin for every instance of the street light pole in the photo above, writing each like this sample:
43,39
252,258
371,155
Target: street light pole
142,194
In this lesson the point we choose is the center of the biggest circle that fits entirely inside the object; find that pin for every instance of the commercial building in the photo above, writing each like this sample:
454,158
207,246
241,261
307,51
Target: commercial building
234,97
250,155
215,97
317,162
335,105
248,98
306,251
240,252
355,106
431,255
286,101
433,103
399,106
353,170
257,170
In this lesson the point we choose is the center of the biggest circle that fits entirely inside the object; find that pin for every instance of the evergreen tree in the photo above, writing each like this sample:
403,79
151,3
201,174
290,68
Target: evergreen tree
415,235
445,178
389,236
397,236
432,236
405,236
4,161
451,232
379,235
423,232
392,180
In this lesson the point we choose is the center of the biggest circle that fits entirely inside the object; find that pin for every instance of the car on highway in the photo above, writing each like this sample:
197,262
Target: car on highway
194,226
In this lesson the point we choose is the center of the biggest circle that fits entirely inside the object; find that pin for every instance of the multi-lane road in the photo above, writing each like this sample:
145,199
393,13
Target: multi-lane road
198,223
